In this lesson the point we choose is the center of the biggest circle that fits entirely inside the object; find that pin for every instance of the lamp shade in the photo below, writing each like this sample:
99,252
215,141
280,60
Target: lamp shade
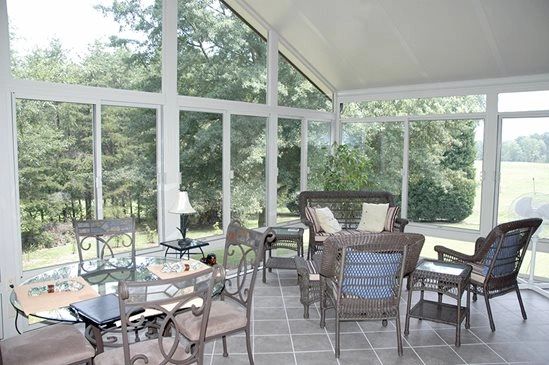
182,205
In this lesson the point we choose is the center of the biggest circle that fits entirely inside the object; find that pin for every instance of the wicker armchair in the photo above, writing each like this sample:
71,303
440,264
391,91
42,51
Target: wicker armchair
496,261
308,279
361,276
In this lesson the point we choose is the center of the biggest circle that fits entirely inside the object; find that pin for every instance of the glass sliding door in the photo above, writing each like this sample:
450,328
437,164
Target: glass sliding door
445,161
524,181
200,164
55,163
128,146
288,163
318,150
248,163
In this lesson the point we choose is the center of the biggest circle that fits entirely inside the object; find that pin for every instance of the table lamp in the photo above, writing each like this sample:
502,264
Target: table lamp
183,207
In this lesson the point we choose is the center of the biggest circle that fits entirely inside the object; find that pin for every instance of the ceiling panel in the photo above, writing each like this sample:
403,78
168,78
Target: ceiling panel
357,44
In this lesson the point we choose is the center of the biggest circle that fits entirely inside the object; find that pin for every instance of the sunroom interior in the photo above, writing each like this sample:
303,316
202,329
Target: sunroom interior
110,108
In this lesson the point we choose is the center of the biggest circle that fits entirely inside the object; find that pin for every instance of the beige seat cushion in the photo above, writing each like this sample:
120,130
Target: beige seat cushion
52,345
225,316
150,348
477,275
323,236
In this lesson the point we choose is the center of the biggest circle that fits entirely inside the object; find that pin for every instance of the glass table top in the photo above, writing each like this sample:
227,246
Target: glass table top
102,275
446,268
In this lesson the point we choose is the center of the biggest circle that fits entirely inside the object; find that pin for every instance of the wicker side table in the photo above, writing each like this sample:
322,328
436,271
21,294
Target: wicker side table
284,237
444,278
308,279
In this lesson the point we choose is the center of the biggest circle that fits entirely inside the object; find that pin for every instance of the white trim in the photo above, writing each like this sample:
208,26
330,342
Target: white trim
303,167
405,168
489,177
427,117
455,88
227,172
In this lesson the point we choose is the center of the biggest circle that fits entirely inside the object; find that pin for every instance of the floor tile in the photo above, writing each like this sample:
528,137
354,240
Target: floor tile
308,342
390,357
438,355
268,344
358,357
478,354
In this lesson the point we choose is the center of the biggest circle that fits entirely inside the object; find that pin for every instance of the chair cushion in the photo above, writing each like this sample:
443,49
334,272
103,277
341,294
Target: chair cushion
225,316
321,237
392,214
312,270
505,260
477,274
150,348
52,345
370,281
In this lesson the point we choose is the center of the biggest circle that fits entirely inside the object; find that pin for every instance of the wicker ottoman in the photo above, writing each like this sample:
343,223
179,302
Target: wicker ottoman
308,279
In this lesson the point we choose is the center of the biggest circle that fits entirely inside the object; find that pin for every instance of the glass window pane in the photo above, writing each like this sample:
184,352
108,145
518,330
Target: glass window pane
219,56
382,143
421,106
248,185
289,161
524,170
295,90
129,170
445,162
55,161
318,150
523,101
201,161
428,250
87,42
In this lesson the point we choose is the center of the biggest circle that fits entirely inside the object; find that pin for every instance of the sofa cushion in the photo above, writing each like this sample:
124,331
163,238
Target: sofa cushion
392,214
322,236
327,220
310,214
373,217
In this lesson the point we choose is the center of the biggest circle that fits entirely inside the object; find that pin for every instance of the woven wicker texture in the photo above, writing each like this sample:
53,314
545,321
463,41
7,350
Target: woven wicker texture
497,260
346,207
361,276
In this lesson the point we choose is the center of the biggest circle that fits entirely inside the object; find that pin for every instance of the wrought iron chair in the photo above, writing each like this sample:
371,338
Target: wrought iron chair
106,232
59,344
361,276
191,294
496,261
231,314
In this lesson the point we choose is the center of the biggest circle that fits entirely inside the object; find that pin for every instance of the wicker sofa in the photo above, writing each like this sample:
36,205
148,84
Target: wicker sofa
347,209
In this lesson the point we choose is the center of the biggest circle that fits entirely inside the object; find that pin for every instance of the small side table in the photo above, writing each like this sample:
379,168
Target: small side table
444,278
285,237
184,246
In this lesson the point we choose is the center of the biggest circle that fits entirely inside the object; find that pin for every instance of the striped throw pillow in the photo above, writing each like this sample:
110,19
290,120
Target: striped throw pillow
310,214
392,214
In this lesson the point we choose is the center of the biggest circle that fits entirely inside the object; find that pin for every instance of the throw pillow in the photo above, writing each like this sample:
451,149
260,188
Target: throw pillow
310,214
327,221
373,217
392,214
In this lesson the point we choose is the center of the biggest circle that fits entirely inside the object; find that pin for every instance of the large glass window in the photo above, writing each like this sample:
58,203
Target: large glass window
219,55
523,101
201,160
128,145
418,106
248,184
86,42
289,161
445,161
55,160
382,144
318,151
524,170
295,90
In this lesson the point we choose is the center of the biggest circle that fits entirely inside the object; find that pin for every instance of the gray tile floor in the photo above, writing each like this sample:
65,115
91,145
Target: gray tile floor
281,335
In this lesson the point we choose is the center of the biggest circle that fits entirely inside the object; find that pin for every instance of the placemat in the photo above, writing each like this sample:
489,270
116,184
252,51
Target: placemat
194,264
50,301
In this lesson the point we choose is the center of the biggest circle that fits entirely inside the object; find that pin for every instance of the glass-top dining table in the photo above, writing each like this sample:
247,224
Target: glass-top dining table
101,275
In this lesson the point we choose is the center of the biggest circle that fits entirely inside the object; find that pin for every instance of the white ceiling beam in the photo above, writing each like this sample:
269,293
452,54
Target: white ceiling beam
488,35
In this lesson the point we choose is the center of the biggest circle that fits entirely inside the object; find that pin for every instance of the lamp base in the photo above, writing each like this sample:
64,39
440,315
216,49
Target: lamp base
183,225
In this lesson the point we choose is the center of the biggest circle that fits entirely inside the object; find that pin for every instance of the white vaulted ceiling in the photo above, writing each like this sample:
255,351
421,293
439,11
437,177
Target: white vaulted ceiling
356,44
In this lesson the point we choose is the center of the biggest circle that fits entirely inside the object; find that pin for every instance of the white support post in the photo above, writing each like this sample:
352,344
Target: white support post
490,165
271,173
405,169
303,166
170,114
97,168
337,133
227,173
